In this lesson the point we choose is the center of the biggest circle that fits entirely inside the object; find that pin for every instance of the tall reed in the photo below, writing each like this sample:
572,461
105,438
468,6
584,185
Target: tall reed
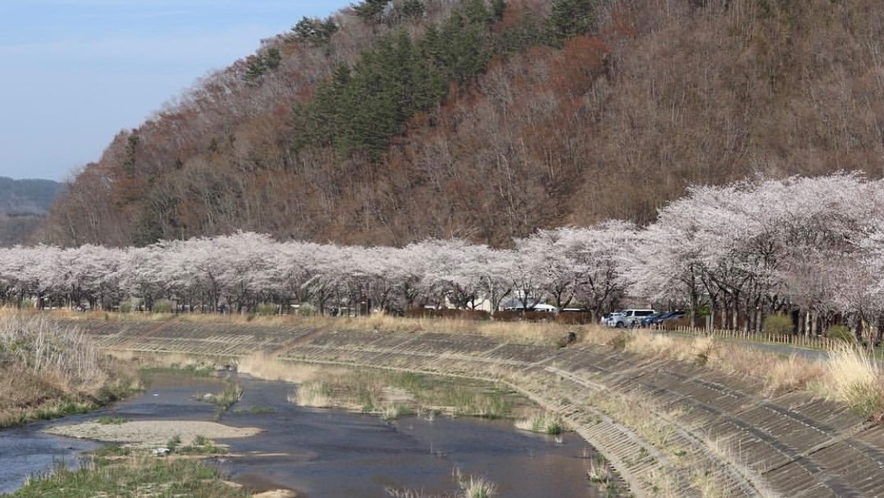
855,378
49,370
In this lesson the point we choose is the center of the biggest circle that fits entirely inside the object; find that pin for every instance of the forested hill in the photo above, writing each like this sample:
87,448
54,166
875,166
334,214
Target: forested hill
398,120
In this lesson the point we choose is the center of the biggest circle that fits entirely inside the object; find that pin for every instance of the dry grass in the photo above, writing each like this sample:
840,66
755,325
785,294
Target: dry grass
655,430
779,373
855,379
661,483
705,482
66,354
784,374
474,487
188,362
542,422
739,461
470,487
267,367
313,395
547,333
50,371
654,344
599,472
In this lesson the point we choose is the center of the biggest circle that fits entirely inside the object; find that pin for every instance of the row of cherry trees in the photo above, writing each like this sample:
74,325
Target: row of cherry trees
812,247
242,270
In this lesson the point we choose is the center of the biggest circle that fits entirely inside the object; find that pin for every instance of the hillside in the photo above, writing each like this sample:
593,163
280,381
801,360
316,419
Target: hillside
27,197
394,121
24,204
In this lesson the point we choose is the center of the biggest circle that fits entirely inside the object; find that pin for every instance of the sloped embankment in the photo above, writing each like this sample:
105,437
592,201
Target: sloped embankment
668,428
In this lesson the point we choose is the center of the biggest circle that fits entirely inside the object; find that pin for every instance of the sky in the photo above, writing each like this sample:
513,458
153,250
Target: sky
76,72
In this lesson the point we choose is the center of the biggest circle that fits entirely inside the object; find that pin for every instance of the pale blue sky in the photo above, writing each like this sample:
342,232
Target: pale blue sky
75,72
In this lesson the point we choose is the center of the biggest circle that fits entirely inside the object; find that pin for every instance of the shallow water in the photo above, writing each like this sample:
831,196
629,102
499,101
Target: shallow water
330,453
25,451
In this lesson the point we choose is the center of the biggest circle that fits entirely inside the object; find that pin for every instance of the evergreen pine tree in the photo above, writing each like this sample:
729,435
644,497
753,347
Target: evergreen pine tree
569,18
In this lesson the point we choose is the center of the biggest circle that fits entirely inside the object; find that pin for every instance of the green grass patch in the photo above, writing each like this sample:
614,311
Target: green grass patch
108,453
110,420
394,394
136,476
48,412
258,410
201,446
174,443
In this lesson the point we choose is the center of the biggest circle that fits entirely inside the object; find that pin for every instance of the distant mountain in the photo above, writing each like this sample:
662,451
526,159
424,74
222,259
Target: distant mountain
27,197
24,205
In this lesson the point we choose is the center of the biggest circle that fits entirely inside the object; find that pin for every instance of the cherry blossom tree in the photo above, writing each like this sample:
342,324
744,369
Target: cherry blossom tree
554,266
595,254
146,272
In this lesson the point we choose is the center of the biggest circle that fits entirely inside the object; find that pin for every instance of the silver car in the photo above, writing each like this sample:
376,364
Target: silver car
611,319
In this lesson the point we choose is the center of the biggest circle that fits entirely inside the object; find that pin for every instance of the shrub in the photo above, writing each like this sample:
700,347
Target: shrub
267,309
306,309
162,306
841,333
543,423
473,487
778,324
174,443
128,306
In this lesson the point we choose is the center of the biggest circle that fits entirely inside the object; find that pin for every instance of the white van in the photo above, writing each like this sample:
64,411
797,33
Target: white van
630,318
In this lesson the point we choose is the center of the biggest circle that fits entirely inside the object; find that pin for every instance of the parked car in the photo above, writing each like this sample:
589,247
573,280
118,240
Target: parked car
630,317
609,319
661,317
648,320
539,307
546,308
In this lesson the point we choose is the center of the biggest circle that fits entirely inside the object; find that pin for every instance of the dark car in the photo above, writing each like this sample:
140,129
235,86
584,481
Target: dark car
648,320
659,318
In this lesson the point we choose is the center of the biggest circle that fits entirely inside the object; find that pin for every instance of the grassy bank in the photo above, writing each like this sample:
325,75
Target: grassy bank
139,475
849,376
50,371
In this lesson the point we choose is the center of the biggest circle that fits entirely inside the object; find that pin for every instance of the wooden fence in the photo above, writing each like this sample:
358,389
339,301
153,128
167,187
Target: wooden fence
803,341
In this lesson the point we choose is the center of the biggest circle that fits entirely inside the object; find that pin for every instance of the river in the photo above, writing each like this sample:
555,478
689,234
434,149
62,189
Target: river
331,453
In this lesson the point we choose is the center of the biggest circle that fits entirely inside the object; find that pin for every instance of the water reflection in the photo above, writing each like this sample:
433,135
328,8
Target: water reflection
334,453
25,451
329,453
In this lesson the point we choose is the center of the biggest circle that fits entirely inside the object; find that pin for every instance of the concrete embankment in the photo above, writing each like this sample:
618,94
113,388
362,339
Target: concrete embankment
668,428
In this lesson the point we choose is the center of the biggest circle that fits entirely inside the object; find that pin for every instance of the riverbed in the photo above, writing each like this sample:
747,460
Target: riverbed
326,453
